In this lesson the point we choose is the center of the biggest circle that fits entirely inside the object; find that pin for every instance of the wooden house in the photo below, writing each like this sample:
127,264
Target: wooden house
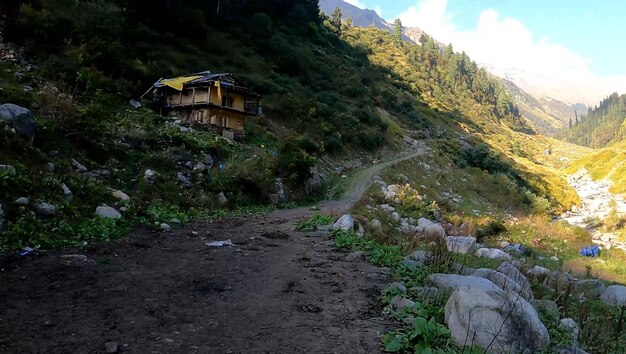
211,99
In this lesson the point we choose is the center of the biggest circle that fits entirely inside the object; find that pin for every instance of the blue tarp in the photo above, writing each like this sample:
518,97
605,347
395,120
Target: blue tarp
590,251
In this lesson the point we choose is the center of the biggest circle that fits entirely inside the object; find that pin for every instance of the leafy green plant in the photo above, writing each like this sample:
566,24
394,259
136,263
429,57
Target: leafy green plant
312,223
425,336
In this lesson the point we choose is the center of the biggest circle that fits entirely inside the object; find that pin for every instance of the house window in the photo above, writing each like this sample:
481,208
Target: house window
228,101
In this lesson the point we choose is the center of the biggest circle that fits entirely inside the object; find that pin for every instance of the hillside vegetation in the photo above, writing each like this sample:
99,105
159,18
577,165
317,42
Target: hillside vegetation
609,163
331,91
605,124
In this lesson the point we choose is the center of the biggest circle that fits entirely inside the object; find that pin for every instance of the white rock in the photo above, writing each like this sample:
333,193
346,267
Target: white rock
495,320
492,253
395,216
165,227
345,222
398,303
80,167
21,201
119,195
376,225
509,269
538,272
221,199
614,295
108,212
419,256
67,193
460,244
8,169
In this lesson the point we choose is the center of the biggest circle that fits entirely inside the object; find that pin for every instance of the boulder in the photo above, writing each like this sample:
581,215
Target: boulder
548,306
495,320
395,216
493,253
460,244
165,227
314,183
50,167
614,295
345,222
558,281
423,222
435,233
184,181
20,119
45,209
107,212
504,282
7,169
511,271
588,289
445,282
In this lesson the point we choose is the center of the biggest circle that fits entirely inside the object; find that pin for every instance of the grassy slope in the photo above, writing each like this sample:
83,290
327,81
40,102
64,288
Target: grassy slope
609,162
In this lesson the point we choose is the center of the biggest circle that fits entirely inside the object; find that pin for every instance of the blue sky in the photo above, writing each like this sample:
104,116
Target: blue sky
557,39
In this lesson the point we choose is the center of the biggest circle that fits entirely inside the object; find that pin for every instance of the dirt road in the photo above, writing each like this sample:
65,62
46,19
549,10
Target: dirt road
275,291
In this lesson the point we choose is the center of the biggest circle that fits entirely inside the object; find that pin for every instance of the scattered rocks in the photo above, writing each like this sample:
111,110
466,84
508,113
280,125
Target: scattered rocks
355,256
493,253
614,295
345,222
8,169
495,320
20,119
460,244
45,209
108,212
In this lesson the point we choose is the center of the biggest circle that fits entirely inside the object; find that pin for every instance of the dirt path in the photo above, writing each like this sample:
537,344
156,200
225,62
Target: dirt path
275,291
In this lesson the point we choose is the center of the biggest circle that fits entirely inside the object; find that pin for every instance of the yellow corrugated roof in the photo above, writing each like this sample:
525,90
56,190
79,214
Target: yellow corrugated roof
178,82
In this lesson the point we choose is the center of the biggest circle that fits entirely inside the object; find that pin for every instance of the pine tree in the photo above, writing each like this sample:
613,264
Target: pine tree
397,31
335,20
570,122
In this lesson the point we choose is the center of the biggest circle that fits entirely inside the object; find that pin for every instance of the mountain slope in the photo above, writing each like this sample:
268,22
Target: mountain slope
604,124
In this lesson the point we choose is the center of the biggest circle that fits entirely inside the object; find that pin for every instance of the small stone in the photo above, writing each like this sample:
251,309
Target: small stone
111,347
67,193
21,201
50,167
165,227
45,209
149,176
80,167
397,286
358,255
119,195
108,212
221,199
345,222
398,303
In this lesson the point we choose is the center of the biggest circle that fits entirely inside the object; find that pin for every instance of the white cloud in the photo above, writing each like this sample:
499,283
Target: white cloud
508,48
356,3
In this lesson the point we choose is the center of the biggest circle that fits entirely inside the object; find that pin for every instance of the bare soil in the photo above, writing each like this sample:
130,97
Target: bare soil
275,291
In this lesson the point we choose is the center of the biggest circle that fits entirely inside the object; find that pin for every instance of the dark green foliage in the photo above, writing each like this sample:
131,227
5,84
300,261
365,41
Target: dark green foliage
603,125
